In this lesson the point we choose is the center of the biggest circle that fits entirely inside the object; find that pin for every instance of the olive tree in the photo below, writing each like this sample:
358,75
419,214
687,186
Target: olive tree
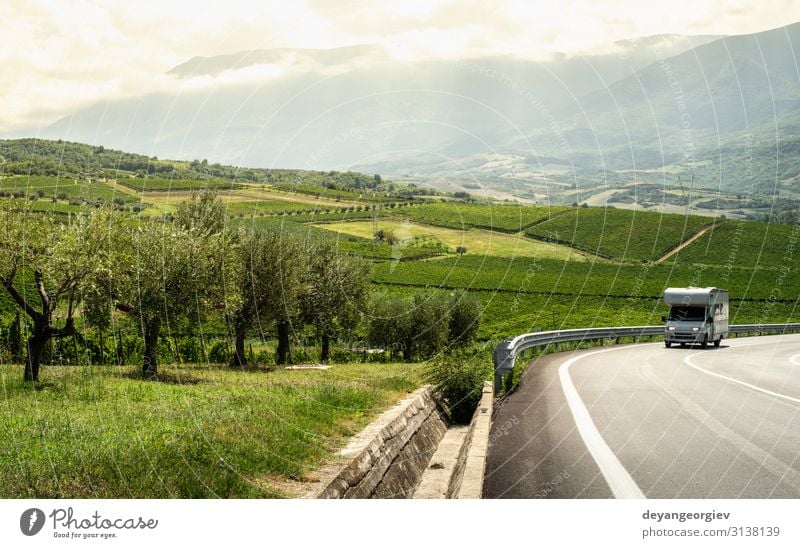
431,319
45,266
176,271
270,282
465,318
390,325
336,292
424,324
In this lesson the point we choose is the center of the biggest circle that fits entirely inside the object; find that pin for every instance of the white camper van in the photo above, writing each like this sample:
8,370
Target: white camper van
696,315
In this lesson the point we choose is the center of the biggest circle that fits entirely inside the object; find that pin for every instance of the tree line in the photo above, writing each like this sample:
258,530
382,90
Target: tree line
196,267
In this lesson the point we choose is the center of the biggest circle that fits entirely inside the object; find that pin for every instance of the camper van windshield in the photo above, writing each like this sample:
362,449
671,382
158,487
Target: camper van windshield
691,313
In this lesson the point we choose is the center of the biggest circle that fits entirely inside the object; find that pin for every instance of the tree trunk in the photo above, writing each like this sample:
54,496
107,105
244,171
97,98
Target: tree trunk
150,362
326,347
283,342
36,344
239,358
120,349
102,347
407,351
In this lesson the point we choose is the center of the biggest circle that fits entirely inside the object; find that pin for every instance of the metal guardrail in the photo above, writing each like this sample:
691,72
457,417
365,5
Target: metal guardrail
506,352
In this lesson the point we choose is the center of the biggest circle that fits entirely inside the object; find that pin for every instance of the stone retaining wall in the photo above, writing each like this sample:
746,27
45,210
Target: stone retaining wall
387,459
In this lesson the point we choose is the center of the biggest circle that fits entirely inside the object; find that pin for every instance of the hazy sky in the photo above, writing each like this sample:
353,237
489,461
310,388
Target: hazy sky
59,56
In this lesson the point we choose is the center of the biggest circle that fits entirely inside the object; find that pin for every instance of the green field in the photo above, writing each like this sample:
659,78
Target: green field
509,313
334,193
101,432
476,241
257,207
748,244
155,184
497,217
618,233
543,276
60,186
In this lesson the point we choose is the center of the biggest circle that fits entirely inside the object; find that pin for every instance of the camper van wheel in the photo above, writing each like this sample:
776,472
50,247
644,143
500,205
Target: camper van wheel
667,344
683,345
704,344
716,343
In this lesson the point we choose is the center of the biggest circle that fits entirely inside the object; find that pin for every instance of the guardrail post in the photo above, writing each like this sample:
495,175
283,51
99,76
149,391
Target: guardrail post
504,357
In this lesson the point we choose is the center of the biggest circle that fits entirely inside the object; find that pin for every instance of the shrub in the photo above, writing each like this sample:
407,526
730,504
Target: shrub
340,355
264,357
218,352
191,350
458,380
299,356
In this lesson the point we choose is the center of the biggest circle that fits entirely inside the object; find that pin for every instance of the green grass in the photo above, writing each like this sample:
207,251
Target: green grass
102,432
498,217
345,243
618,233
746,243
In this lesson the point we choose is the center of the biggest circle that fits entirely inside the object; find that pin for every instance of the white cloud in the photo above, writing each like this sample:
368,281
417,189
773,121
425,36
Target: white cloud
59,56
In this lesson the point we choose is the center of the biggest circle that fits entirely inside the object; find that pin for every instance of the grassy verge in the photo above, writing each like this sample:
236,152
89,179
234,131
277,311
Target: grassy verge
199,432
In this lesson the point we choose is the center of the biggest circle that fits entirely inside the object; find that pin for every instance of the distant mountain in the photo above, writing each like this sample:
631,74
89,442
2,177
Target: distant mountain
732,101
722,109
722,115
321,58
335,108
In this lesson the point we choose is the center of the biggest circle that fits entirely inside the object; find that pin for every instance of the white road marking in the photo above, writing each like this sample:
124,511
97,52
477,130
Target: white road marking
688,361
795,360
618,479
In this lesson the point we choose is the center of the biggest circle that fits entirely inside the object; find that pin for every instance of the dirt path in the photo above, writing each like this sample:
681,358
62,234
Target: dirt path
685,243
122,189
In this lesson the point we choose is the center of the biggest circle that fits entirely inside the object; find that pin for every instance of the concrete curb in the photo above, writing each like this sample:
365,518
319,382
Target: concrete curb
468,481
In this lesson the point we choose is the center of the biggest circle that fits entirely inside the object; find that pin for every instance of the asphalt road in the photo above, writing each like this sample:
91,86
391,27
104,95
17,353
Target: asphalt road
646,421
